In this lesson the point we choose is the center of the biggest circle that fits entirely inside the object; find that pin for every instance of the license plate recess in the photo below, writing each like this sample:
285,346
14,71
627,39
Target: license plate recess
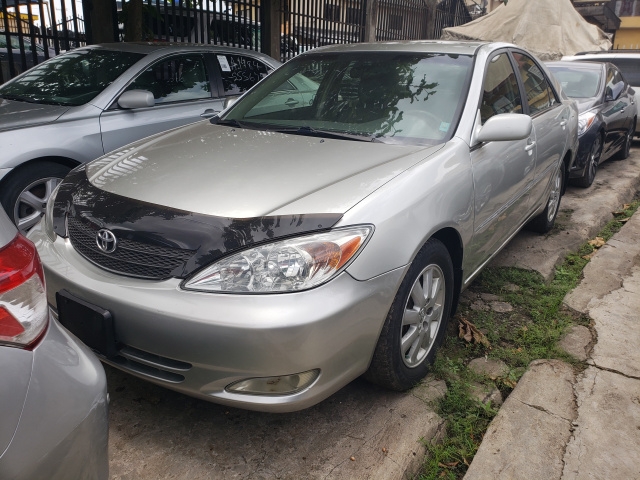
92,324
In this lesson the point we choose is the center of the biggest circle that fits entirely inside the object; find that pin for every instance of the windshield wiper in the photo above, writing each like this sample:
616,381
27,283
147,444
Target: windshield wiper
18,98
315,132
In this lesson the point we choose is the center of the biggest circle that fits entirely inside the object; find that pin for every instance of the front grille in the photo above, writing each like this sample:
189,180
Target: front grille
131,258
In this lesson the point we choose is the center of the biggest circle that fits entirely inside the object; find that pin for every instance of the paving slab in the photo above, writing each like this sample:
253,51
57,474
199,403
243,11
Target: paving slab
527,438
607,270
362,432
606,439
583,213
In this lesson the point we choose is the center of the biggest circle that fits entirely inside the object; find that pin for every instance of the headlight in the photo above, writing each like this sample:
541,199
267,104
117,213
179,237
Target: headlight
48,214
585,120
284,266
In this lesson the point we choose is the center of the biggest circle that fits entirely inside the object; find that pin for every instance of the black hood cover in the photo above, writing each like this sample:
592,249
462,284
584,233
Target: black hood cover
149,235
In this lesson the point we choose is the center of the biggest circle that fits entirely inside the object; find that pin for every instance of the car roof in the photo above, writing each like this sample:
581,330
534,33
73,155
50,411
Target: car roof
152,47
603,55
579,65
432,46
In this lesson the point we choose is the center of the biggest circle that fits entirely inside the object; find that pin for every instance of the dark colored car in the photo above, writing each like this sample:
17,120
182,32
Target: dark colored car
608,114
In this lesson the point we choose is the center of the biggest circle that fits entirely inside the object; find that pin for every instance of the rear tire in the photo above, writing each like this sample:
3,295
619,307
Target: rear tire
25,193
417,321
544,222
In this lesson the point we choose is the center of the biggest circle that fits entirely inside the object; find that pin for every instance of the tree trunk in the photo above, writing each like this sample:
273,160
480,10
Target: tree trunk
133,27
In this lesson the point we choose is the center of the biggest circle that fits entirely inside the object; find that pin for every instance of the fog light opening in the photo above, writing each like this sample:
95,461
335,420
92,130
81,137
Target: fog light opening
281,385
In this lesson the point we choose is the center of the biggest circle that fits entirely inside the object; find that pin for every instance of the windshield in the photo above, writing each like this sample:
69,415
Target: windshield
412,98
70,79
578,82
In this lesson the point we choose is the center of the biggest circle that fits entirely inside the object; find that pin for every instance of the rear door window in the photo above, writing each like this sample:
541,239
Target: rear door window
240,72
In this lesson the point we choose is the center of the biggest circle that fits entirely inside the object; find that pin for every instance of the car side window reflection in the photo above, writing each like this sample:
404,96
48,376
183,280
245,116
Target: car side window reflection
500,90
539,93
175,79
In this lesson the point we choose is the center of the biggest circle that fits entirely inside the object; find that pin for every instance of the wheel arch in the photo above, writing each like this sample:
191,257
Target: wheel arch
65,161
452,241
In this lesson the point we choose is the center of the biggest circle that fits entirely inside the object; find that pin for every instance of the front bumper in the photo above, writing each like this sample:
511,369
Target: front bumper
199,343
579,167
63,428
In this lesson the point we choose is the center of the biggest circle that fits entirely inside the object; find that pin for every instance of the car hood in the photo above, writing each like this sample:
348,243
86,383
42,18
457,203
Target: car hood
232,172
585,104
23,114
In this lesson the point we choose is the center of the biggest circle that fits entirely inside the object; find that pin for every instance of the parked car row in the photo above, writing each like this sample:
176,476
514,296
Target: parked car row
608,113
320,228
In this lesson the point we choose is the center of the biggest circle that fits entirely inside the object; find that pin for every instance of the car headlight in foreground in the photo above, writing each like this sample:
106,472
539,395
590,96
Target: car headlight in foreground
287,265
585,120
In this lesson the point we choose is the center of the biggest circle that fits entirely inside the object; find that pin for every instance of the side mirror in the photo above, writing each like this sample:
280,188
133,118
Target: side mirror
136,99
229,101
608,97
617,90
505,127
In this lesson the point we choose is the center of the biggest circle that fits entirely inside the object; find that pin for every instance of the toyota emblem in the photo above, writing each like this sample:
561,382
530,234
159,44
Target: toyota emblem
106,241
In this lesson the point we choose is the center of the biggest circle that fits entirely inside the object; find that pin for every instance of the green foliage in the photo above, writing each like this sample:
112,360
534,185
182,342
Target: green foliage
531,331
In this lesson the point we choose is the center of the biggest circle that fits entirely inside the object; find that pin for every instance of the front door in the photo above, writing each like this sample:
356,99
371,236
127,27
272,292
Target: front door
502,171
182,91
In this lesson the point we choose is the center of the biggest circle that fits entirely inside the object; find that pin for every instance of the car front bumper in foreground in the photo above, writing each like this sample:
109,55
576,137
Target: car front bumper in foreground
200,343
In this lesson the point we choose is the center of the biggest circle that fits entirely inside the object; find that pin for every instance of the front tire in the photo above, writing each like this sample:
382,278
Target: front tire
544,222
592,165
25,194
417,321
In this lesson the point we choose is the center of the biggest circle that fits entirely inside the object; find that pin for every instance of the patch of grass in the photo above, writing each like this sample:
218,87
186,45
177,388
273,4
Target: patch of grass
530,331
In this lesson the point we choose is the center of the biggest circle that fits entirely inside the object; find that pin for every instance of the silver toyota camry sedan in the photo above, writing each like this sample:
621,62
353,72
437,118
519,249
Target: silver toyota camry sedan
313,234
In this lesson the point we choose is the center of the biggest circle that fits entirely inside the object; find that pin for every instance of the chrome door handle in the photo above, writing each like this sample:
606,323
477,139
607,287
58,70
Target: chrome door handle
291,102
529,146
563,123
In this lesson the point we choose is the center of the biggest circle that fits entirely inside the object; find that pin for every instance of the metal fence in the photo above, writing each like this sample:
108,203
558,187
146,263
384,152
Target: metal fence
450,13
32,31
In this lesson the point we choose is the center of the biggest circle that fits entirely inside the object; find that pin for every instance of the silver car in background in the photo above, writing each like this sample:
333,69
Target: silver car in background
270,256
53,394
82,104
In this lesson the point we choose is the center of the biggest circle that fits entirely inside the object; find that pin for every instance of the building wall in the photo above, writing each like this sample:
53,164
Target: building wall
628,35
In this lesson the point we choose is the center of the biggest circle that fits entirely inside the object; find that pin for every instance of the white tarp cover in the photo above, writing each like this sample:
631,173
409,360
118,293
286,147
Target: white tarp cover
547,28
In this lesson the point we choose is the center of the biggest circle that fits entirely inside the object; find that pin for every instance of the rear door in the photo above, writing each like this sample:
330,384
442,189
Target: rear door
184,88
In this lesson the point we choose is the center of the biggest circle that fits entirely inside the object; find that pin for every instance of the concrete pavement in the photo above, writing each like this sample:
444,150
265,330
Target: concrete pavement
562,424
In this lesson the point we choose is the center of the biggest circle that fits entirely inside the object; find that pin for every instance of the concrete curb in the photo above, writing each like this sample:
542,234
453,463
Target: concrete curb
557,426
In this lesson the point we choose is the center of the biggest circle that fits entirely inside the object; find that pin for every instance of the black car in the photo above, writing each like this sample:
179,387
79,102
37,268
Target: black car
608,114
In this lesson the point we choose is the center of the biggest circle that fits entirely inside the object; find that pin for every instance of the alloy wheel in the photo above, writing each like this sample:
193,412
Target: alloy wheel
422,316
32,202
554,196
594,158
